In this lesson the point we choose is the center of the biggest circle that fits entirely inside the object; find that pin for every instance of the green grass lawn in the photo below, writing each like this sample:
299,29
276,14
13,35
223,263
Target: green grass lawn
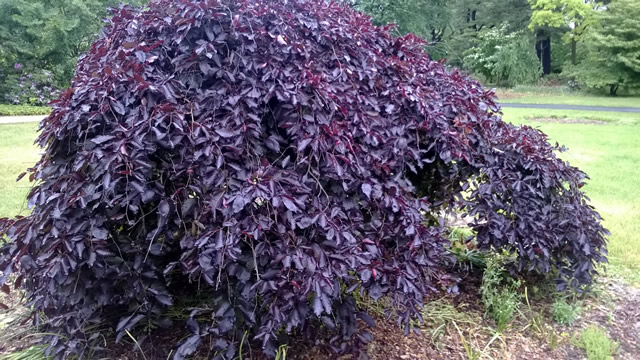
552,95
610,154
626,101
17,153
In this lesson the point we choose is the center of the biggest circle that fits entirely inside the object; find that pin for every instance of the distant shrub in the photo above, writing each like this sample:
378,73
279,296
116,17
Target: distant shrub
17,110
276,156
22,87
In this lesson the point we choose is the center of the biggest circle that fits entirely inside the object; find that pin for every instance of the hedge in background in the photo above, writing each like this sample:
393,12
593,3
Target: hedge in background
270,154
22,110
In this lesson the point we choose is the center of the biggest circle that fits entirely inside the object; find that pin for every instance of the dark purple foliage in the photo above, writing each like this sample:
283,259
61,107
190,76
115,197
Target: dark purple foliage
275,157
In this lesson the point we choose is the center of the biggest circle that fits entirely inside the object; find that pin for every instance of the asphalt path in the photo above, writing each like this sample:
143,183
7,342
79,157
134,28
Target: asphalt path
20,119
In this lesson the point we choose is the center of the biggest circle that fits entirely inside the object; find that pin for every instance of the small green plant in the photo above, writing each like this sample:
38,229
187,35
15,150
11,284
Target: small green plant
595,342
553,341
472,351
499,292
536,320
460,234
469,349
541,288
564,313
135,341
536,323
281,354
241,347
467,256
35,352
439,314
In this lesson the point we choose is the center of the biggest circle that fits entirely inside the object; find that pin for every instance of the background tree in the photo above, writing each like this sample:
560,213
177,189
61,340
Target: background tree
450,27
576,16
613,49
50,35
504,58
471,17
429,19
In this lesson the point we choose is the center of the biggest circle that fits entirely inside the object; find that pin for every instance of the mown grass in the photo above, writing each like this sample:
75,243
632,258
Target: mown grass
17,153
578,100
610,154
554,96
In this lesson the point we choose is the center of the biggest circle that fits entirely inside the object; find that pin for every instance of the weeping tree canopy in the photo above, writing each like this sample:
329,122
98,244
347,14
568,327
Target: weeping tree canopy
274,157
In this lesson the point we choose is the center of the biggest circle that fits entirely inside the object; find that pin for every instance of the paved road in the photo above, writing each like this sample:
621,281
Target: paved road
20,119
573,107
23,119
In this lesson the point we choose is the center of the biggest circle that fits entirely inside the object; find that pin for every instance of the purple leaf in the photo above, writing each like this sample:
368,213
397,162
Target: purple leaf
366,189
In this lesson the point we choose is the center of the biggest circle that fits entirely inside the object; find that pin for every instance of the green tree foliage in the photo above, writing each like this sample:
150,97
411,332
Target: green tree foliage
429,19
504,58
575,16
613,49
450,26
50,34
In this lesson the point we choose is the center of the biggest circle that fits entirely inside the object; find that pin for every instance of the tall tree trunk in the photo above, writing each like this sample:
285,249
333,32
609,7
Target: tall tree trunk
613,89
573,52
543,49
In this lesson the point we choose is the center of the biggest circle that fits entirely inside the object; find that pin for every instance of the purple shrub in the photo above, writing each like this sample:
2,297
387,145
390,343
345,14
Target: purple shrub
276,157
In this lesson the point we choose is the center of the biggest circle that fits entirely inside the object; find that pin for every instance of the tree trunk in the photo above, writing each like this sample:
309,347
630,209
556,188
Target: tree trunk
573,52
543,49
613,89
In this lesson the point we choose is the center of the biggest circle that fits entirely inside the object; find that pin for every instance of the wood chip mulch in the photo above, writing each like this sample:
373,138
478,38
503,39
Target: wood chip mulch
452,322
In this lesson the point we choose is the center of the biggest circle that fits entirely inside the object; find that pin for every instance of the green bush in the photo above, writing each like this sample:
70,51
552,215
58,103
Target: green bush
21,110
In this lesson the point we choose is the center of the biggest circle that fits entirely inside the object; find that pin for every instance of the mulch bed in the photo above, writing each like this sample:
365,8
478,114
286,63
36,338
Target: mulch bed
614,306
616,309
